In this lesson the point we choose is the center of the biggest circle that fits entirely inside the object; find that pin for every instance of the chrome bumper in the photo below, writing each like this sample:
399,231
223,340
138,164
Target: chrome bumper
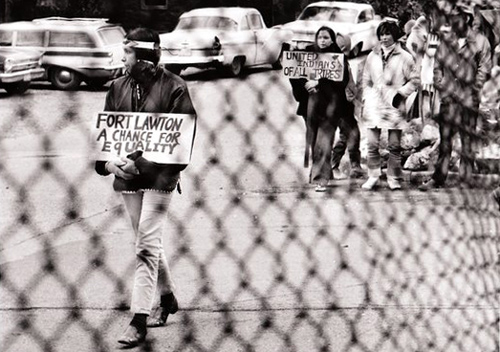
26,75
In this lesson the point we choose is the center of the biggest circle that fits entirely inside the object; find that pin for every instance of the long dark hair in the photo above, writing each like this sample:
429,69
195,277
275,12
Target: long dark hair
334,47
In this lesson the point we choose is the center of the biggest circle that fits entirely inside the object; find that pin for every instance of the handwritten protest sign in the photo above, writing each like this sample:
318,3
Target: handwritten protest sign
163,138
312,65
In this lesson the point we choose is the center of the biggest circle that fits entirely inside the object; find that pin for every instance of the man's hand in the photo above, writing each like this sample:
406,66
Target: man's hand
123,168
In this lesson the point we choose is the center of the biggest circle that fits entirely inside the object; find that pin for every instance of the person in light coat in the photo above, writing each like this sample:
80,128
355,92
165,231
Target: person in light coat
389,78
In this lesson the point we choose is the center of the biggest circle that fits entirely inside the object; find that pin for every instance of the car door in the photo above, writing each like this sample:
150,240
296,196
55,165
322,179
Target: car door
112,40
365,30
248,41
262,38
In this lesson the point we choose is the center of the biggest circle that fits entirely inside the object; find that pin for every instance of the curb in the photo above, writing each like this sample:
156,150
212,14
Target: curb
480,180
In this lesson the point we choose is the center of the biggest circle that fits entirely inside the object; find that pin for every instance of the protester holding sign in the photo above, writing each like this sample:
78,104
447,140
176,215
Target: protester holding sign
349,136
146,185
389,77
323,87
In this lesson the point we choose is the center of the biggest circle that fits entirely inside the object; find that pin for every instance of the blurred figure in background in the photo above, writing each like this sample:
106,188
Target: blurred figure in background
422,43
349,134
462,66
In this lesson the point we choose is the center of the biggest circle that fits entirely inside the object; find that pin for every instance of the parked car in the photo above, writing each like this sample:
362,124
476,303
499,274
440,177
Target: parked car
74,49
18,68
356,21
226,37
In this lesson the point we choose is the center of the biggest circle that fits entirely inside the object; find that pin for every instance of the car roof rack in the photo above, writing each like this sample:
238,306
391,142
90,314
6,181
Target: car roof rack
71,19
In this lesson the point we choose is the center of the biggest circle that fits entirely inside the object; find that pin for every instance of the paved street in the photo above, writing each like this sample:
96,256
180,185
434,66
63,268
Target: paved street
261,261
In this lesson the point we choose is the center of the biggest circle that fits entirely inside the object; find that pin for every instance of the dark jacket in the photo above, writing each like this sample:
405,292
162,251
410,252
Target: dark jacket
327,89
166,93
460,73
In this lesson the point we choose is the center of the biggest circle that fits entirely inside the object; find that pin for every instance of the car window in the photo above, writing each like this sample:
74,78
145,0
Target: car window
255,21
30,38
244,24
71,39
365,16
112,35
212,22
362,17
334,14
226,24
5,38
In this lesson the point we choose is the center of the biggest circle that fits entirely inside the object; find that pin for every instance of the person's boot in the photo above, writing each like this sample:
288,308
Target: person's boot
430,184
136,332
168,305
371,183
357,172
337,174
393,183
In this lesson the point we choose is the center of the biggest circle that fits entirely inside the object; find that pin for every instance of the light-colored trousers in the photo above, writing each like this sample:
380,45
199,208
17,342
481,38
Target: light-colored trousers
147,211
374,159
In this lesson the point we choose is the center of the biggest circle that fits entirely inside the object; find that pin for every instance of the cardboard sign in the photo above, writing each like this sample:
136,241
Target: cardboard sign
163,138
312,65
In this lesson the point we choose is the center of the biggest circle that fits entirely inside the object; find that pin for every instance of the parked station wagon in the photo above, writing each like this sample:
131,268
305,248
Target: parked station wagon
74,49
18,68
230,38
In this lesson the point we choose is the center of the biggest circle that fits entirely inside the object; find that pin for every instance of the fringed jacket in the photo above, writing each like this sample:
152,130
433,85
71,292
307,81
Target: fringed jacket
165,93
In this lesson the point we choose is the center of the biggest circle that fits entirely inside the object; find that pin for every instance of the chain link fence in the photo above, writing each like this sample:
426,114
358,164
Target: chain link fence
261,261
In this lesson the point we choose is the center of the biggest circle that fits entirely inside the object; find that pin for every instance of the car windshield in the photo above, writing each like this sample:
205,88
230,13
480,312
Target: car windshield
210,22
334,14
5,38
112,35
30,38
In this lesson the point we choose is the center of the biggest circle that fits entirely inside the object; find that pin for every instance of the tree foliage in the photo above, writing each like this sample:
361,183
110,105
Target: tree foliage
130,14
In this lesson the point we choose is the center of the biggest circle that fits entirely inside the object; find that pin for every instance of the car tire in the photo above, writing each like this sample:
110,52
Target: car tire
16,87
236,66
64,79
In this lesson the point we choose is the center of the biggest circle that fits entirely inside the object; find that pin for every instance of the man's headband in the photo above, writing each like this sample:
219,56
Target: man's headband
137,44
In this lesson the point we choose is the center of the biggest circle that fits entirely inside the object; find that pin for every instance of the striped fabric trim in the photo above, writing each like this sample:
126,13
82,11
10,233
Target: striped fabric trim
428,87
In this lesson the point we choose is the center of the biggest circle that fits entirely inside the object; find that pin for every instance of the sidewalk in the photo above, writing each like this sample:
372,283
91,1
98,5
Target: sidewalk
481,180
354,271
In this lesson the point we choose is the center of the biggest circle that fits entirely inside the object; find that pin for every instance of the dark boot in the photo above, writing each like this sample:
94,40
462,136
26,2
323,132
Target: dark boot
168,305
135,332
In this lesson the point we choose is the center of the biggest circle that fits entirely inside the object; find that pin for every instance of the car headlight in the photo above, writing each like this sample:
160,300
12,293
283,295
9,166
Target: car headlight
8,65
